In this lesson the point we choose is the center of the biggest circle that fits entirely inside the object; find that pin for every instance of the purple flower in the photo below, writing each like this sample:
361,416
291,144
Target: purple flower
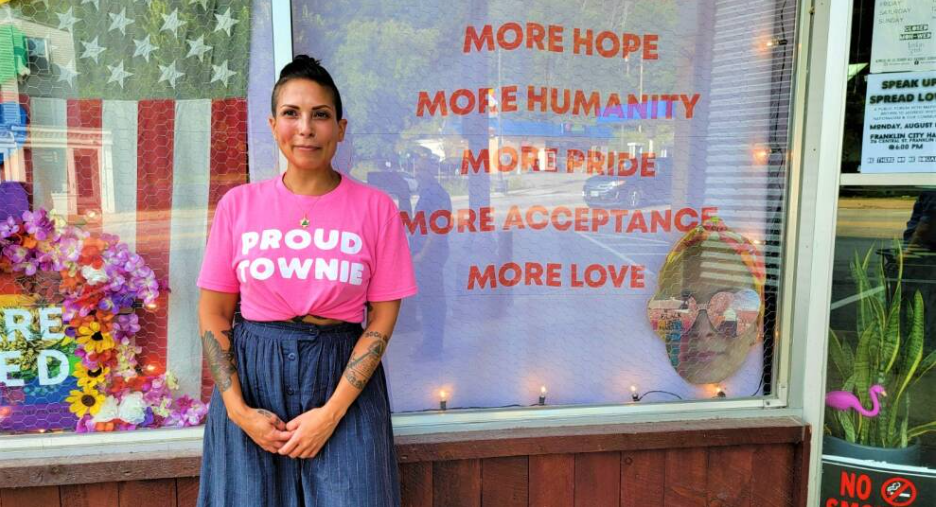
38,224
8,228
85,424
187,412
125,326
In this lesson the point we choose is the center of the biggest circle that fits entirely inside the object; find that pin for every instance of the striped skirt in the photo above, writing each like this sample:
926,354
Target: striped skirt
290,368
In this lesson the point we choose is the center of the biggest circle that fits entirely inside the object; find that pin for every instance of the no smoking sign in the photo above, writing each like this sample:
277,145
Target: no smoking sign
898,492
857,483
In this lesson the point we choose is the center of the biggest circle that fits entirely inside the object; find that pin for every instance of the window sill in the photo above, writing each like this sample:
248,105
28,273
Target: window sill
185,462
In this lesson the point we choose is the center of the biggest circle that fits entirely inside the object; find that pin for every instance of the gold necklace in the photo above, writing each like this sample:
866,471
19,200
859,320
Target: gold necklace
304,222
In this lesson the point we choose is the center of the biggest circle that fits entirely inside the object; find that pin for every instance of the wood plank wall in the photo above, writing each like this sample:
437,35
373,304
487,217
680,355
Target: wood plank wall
737,476
760,463
181,492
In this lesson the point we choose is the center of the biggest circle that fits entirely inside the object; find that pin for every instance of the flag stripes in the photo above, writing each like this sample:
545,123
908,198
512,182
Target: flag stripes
154,170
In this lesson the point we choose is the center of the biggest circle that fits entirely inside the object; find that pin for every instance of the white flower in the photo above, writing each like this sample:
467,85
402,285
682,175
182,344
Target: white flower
107,412
93,276
133,408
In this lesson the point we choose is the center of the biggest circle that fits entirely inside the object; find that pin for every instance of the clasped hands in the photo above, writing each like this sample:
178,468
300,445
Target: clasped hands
302,437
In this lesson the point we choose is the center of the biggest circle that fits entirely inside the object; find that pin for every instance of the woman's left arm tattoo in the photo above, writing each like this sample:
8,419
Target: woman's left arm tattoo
361,367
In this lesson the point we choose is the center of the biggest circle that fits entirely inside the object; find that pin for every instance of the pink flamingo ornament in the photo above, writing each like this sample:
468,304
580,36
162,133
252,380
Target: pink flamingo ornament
844,400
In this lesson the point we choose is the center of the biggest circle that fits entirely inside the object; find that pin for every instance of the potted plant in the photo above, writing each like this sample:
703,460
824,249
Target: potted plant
886,351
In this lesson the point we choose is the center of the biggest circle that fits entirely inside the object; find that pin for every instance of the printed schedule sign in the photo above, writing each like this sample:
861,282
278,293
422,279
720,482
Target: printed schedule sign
900,123
903,36
547,159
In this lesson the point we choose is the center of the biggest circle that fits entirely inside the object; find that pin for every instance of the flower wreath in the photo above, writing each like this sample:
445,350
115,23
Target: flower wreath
103,285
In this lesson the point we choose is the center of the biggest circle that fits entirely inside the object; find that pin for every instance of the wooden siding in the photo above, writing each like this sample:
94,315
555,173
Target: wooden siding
753,463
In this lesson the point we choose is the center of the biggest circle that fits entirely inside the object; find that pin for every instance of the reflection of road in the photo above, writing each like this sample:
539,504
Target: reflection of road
856,219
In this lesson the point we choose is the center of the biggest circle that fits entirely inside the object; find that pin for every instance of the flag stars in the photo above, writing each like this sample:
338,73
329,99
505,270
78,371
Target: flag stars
222,73
225,22
120,21
143,48
118,74
67,73
67,19
170,74
172,23
92,50
198,48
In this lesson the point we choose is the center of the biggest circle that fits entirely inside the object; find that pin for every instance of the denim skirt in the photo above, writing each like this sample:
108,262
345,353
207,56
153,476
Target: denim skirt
289,368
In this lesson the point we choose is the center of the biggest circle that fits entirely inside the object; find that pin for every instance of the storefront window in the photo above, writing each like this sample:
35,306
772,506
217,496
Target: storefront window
123,124
880,431
594,193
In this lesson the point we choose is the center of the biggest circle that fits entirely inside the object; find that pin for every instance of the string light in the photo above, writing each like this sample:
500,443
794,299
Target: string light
772,43
634,394
719,392
150,368
542,396
151,306
443,400
762,153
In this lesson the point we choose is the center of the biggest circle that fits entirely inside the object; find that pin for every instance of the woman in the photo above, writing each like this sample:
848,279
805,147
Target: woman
300,414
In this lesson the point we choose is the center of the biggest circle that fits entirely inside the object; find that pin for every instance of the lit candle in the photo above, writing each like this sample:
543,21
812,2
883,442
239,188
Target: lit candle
443,400
634,394
542,397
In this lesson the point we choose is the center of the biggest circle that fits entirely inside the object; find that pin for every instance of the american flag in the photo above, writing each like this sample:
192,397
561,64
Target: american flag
137,125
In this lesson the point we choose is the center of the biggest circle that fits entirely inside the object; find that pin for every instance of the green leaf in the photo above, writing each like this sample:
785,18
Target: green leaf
922,429
890,338
842,356
914,352
845,420
859,273
926,365
904,438
863,367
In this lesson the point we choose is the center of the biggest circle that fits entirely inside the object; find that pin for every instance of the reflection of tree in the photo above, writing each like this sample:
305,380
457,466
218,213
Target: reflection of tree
383,53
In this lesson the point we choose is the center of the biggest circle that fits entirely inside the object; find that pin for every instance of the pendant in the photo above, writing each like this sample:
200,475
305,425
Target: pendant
304,222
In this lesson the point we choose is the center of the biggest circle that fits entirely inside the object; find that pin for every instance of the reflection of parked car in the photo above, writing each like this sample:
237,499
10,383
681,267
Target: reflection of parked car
611,191
603,191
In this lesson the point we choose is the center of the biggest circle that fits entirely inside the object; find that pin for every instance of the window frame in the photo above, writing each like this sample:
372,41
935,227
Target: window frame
806,278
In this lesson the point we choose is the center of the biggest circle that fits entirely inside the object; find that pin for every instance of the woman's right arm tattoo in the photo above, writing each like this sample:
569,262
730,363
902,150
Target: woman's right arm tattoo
220,361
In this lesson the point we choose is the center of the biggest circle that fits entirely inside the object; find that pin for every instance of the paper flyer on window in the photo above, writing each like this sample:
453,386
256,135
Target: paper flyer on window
903,36
900,123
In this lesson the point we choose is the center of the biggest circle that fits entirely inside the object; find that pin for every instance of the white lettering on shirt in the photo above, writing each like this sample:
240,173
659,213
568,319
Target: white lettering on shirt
301,269
327,269
297,239
248,241
270,239
350,243
320,242
267,269
241,270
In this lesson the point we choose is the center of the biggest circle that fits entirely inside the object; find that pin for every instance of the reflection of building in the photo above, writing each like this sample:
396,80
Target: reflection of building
47,51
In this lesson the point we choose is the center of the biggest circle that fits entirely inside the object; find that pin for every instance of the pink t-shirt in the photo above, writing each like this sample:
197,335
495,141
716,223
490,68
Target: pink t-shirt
354,250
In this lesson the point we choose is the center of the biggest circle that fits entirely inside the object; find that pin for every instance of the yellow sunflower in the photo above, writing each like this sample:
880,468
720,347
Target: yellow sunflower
93,339
84,401
90,378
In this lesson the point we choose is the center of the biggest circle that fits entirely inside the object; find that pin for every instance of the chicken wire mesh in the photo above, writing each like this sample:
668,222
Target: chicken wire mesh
123,125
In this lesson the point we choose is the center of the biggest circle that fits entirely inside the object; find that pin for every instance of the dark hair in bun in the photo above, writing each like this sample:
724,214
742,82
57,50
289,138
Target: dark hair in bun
306,67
